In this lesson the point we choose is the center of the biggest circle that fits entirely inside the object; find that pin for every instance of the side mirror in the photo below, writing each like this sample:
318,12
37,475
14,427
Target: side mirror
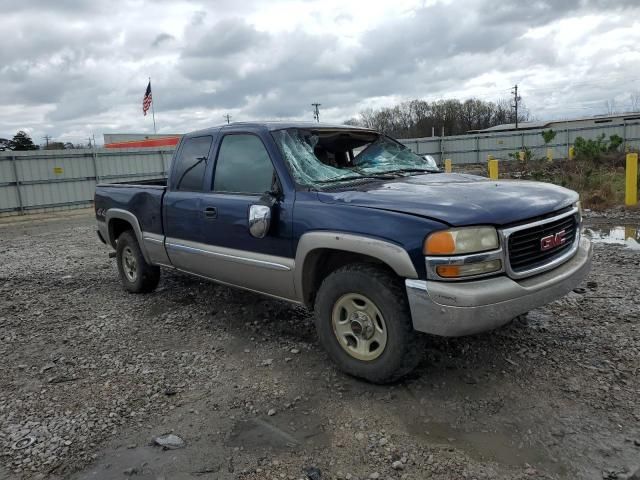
259,220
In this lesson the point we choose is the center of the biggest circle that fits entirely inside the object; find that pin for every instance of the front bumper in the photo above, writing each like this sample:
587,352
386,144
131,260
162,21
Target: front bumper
462,308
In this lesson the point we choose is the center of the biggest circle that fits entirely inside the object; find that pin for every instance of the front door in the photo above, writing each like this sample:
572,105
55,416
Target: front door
243,176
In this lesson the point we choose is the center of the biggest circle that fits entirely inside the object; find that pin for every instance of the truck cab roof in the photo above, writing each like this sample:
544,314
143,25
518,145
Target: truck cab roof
278,125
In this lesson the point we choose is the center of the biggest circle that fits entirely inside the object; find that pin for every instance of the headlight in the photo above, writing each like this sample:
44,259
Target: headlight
461,240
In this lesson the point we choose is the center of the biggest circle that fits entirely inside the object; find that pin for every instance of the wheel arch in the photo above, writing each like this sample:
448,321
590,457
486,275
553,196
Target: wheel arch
118,221
320,253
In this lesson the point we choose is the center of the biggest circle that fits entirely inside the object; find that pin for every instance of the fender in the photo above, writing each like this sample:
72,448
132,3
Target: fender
133,221
393,255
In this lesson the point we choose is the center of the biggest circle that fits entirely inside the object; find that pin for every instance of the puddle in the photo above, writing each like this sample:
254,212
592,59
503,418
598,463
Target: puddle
276,434
508,448
627,235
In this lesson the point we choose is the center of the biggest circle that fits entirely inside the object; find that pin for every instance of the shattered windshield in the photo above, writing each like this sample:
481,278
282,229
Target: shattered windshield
327,156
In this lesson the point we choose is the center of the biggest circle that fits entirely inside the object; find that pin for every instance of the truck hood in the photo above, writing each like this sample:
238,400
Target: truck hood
458,199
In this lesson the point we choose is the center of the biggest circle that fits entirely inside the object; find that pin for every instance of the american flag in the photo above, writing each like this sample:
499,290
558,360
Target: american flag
146,101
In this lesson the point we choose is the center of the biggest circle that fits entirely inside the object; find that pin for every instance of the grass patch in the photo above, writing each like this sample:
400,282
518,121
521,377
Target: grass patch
600,181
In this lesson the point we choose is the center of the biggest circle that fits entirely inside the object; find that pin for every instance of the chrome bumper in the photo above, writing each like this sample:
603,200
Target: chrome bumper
453,309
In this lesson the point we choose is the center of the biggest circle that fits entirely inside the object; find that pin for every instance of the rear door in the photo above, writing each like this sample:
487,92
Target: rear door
183,211
243,175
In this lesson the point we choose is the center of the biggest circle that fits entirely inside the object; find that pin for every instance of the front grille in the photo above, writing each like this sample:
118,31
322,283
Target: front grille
525,249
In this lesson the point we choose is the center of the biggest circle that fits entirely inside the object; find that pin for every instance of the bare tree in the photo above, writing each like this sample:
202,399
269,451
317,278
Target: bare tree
610,106
635,101
418,118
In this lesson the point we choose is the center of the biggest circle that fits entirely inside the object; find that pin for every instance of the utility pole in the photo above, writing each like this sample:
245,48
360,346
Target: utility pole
46,140
516,99
316,111
90,143
228,117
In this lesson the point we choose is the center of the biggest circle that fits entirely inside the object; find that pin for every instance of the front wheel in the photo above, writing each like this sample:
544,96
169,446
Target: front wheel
136,274
363,322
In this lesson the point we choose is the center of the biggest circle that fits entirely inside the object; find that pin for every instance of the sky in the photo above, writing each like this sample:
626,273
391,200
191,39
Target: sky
74,68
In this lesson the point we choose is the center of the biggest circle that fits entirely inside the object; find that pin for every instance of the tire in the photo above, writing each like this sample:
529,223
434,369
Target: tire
346,334
136,275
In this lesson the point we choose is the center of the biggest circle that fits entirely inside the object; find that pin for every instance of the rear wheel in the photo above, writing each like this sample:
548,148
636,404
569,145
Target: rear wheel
136,274
363,322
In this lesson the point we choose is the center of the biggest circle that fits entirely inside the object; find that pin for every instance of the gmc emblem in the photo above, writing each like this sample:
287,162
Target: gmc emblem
552,241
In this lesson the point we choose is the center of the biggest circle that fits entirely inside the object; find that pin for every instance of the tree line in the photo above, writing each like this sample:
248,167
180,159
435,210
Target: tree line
419,118
22,141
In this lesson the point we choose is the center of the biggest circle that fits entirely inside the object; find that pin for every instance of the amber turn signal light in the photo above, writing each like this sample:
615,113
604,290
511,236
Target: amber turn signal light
439,243
448,271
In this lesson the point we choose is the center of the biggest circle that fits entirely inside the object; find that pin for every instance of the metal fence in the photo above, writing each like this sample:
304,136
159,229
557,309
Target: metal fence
474,148
62,179
42,180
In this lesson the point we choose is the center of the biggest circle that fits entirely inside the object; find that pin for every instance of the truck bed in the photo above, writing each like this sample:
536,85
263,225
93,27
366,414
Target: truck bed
142,198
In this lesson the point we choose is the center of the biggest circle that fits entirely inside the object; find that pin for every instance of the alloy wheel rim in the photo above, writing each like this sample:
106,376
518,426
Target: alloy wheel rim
359,327
129,264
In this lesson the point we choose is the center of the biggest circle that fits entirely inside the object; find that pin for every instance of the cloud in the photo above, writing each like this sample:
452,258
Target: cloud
84,68
162,38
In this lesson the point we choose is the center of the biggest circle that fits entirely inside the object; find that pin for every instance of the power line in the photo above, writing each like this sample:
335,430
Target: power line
228,117
316,111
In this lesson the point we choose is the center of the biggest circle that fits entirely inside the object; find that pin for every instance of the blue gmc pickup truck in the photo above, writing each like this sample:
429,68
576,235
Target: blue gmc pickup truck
381,245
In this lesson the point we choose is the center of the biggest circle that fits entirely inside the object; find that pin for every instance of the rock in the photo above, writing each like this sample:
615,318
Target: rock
374,476
636,442
397,465
131,471
359,436
271,412
313,473
295,351
382,442
169,441
267,362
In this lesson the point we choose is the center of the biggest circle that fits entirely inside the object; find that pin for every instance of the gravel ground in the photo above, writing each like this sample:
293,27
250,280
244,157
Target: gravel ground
90,375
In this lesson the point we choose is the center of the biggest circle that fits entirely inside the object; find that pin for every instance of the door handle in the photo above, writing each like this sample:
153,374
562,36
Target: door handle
211,212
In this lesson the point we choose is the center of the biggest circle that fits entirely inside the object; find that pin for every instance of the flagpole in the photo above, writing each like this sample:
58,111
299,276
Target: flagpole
153,110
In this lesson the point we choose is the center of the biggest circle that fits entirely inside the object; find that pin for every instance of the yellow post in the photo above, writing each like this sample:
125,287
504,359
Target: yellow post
549,154
521,155
631,190
447,165
572,152
493,169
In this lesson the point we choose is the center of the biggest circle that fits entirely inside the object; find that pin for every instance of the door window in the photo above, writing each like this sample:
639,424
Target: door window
192,163
243,166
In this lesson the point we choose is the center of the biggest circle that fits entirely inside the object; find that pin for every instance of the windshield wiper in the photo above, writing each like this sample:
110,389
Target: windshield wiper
357,177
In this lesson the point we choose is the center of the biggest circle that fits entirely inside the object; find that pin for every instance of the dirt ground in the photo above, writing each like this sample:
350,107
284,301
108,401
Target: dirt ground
90,375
